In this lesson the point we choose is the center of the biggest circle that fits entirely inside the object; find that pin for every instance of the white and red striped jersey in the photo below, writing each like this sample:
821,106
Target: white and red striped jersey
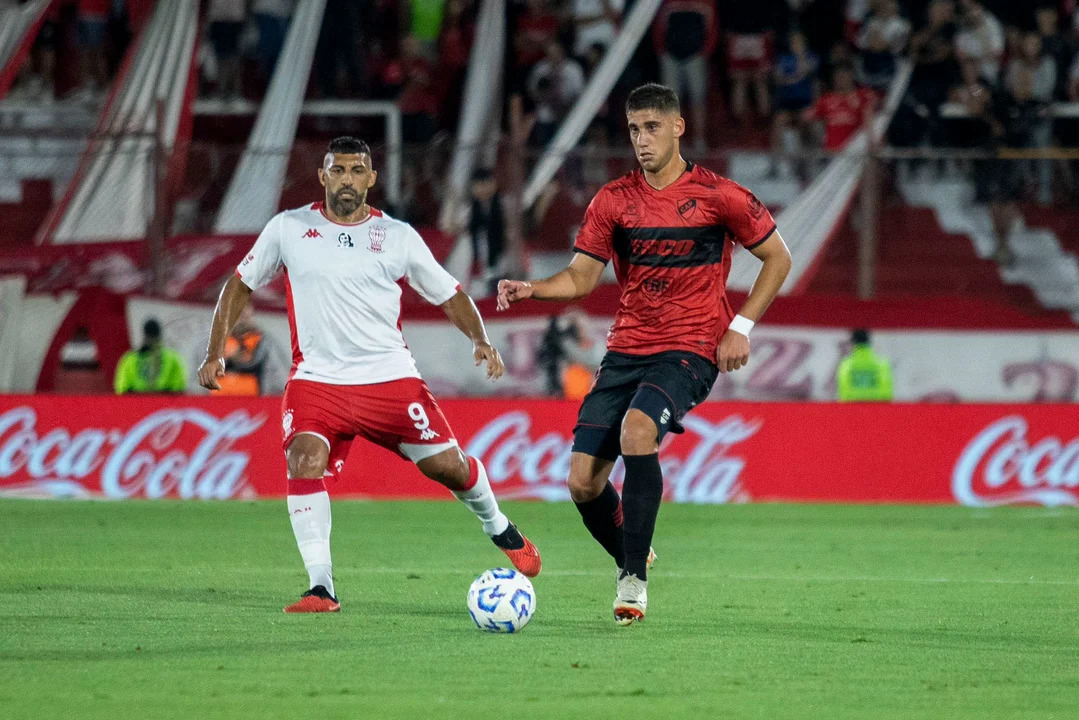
344,301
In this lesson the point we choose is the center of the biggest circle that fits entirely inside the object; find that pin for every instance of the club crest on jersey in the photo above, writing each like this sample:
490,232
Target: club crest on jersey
286,422
344,240
687,207
377,235
756,207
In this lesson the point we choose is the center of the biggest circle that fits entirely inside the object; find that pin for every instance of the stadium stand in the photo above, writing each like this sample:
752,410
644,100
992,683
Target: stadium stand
923,227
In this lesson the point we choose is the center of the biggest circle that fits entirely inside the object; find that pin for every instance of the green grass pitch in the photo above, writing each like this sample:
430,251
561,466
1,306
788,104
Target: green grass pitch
173,610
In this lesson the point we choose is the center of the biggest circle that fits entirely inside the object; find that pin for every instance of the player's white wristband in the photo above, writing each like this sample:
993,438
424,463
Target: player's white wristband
741,325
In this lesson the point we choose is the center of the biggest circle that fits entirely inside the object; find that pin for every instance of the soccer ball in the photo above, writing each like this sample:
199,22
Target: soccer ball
501,601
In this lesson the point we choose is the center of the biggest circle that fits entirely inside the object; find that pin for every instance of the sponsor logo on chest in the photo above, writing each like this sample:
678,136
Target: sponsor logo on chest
664,248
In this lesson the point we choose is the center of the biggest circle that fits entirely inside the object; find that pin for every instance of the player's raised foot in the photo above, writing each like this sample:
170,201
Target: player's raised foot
315,600
520,550
632,599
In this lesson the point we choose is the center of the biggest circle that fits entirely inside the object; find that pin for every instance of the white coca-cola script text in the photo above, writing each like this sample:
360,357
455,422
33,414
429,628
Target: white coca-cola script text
1000,466
149,459
705,473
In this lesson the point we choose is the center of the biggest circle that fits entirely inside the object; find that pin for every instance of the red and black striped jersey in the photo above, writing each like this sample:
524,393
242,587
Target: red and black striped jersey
672,253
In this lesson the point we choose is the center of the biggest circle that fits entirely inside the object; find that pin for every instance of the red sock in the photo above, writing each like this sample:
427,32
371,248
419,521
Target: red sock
473,474
305,486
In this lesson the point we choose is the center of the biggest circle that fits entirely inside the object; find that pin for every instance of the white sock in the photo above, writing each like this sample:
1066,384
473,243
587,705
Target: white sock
310,515
480,499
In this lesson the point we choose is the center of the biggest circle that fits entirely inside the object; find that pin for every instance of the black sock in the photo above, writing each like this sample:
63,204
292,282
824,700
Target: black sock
603,518
641,495
510,539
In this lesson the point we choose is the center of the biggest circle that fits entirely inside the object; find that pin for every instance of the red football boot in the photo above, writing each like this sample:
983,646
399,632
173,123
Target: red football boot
315,600
520,550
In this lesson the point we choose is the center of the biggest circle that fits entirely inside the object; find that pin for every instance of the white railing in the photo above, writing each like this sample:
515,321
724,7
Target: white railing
1060,110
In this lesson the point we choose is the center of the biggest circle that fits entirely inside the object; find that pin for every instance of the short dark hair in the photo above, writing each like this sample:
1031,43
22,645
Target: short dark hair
860,337
348,145
653,96
151,329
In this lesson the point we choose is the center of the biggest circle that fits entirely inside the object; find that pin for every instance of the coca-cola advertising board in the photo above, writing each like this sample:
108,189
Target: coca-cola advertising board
222,448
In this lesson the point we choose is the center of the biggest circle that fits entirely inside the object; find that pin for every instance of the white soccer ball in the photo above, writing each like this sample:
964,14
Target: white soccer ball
501,600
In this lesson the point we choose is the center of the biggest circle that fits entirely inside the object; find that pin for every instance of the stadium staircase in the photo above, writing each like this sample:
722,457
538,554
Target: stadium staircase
915,256
38,149
754,170
1045,266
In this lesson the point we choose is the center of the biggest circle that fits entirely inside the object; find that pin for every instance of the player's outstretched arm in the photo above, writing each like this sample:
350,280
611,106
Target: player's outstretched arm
733,350
234,296
463,313
578,279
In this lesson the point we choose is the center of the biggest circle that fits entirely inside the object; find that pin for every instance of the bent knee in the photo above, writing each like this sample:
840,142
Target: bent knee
449,468
306,464
587,477
583,487
307,456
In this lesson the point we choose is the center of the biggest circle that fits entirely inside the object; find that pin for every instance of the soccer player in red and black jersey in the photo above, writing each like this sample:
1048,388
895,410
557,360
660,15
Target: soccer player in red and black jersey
670,228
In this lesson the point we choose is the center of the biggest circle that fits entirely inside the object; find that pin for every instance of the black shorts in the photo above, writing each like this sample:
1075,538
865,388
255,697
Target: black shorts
664,386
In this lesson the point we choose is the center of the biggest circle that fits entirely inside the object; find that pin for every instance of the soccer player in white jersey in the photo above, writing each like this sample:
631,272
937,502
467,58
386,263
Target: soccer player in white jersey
352,374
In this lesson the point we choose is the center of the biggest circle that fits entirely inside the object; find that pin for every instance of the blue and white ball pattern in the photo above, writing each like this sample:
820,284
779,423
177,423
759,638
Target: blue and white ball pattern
501,600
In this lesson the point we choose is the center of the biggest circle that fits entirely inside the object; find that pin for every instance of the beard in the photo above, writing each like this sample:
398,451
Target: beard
346,205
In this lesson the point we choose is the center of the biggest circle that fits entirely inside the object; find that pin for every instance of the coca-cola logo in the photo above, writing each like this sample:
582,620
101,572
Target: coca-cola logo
147,460
1000,466
701,473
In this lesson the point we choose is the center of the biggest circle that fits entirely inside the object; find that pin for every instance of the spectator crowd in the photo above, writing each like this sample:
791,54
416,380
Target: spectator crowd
78,48
734,63
792,75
